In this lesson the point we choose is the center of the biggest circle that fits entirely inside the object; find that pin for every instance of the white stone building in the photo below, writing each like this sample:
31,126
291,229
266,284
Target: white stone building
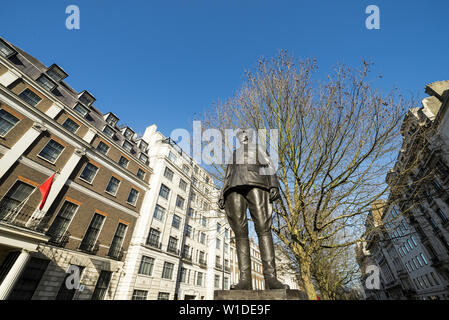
179,244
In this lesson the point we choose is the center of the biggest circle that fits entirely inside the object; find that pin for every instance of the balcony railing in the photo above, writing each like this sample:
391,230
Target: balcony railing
187,256
23,216
59,239
116,253
227,269
202,262
173,250
218,266
90,246
154,244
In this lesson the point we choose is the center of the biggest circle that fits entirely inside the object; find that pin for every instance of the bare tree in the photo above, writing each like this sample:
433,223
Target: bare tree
337,139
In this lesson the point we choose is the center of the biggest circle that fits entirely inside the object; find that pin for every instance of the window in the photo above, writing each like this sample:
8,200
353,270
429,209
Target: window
127,146
183,275
186,251
182,185
167,271
204,221
199,279
419,261
89,172
111,120
139,295
172,245
192,196
226,283
190,212
51,151
14,199
185,168
108,131
168,174
218,244
70,125
172,157
146,266
143,157
163,296
102,285
203,238
5,50
86,98
7,122
179,201
132,197
123,162
116,245
202,258
45,82
164,192
143,145
410,244
217,281
30,97
194,181
62,221
140,174
159,212
128,133
92,232
188,231
29,279
176,221
414,241
415,264
103,148
423,257
434,278
153,238
80,109
442,216
65,293
218,227
429,280
56,73
112,186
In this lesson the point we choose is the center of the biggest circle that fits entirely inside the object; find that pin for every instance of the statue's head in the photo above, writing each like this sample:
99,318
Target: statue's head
244,136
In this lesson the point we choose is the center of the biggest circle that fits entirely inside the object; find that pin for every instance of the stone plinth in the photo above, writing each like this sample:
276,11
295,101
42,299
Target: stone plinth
278,294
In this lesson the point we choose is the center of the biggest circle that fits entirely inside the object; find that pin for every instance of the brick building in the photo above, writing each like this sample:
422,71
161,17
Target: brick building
101,178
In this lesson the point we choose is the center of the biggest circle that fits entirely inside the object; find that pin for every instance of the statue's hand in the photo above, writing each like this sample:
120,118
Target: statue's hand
221,203
274,194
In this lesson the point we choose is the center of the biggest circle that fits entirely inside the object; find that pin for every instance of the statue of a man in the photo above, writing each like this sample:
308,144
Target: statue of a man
247,185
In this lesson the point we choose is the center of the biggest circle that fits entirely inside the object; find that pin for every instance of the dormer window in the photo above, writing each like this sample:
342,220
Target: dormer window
46,82
86,98
143,145
56,73
82,110
6,50
143,157
111,120
108,131
127,146
128,133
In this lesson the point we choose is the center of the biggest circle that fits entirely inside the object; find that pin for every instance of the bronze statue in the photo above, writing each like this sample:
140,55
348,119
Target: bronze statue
247,186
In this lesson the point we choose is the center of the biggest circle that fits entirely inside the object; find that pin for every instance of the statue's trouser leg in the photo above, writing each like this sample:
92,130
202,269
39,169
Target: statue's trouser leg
235,206
261,212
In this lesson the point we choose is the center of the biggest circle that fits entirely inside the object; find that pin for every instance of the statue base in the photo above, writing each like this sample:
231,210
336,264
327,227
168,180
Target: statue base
278,294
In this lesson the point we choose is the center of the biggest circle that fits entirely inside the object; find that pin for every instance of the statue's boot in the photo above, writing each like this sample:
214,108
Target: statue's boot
268,263
244,263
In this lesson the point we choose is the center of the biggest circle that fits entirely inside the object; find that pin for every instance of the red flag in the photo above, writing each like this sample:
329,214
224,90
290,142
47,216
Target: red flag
45,190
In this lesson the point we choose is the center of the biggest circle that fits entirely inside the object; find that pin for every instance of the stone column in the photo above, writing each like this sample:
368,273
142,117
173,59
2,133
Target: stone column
20,147
13,275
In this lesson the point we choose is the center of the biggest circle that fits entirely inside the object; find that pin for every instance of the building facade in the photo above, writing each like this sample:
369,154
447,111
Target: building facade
180,248
101,176
411,241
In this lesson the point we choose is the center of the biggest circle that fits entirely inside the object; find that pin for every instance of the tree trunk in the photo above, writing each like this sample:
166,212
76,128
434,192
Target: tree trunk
307,279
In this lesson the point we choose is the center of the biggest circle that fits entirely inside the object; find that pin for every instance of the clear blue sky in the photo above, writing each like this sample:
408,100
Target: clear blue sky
162,61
